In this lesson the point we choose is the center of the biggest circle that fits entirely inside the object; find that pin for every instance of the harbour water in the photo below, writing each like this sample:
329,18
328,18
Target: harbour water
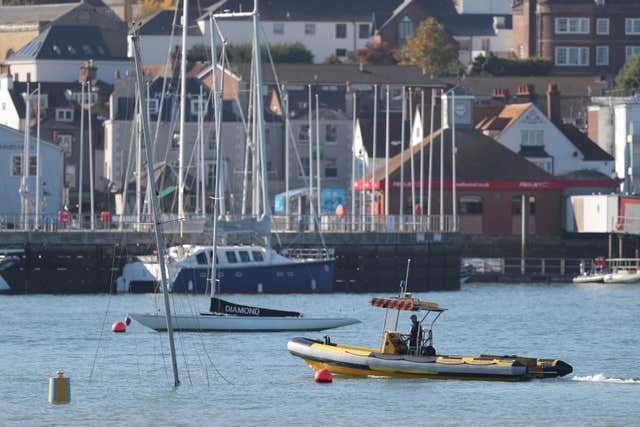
251,380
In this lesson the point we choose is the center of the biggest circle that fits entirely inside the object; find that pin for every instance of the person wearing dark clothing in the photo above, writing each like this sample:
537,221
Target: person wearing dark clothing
414,335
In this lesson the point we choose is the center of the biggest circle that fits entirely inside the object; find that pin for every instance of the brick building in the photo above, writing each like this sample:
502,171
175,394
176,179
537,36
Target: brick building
579,36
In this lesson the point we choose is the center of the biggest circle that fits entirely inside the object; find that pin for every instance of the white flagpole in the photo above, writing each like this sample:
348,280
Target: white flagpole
353,163
318,186
80,175
453,159
375,146
404,112
422,156
430,184
93,219
310,137
386,157
442,116
286,154
413,175
38,161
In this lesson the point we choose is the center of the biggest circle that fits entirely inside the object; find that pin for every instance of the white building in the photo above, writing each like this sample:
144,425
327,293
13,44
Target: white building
614,122
500,7
59,52
51,175
322,30
557,148
481,34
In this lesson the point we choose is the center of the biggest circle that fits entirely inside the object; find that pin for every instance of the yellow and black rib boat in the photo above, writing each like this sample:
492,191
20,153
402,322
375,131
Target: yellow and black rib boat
406,356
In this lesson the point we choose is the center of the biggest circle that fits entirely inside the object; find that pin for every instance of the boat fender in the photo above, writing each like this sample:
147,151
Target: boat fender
118,327
323,376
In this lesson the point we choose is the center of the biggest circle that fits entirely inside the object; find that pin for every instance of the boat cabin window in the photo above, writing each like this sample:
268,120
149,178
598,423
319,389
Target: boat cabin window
231,257
210,255
201,257
257,256
244,256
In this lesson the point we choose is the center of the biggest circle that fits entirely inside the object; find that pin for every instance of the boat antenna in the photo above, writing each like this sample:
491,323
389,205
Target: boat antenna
154,199
403,291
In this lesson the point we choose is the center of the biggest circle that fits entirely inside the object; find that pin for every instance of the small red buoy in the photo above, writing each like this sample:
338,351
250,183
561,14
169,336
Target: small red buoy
127,320
323,376
118,327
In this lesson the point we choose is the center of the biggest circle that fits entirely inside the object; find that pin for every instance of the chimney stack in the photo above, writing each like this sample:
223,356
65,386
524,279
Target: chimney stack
6,79
553,104
87,72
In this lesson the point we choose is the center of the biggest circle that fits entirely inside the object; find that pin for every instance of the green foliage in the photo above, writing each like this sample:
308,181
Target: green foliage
294,53
199,53
376,54
628,77
332,60
511,67
430,48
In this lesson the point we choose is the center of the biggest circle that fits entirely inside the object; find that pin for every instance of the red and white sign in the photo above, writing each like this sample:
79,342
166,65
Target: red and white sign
482,185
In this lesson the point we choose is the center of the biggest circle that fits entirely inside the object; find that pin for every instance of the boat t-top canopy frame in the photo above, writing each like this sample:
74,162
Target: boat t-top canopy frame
406,304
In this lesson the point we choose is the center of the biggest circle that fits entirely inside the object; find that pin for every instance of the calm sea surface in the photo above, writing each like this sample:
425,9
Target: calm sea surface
251,379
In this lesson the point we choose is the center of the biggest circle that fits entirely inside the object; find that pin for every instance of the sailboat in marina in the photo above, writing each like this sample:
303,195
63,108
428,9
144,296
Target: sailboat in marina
223,315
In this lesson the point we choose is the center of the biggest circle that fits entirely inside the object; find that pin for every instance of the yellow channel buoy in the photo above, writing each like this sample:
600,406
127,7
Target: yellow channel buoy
59,389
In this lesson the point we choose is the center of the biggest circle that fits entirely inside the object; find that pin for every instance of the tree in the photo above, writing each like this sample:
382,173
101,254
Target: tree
511,66
430,48
293,53
628,77
376,54
149,7
199,53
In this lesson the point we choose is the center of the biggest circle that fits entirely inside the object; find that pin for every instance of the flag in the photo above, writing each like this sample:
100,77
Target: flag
359,151
416,132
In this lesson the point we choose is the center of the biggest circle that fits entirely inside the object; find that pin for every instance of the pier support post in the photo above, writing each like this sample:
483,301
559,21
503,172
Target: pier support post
620,248
610,254
524,210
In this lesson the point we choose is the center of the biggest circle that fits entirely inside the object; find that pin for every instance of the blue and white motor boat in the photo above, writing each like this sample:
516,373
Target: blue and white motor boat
240,269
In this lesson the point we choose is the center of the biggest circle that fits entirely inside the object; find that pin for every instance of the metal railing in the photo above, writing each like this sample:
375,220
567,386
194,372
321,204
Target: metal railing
530,266
366,223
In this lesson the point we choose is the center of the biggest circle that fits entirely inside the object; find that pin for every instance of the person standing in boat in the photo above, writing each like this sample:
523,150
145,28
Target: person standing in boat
415,335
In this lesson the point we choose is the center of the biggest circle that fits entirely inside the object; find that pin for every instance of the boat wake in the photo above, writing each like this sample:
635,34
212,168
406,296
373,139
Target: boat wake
600,378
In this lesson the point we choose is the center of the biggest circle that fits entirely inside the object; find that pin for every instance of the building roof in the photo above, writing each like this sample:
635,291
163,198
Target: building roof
507,116
162,23
568,86
589,149
13,136
474,152
395,133
67,43
24,15
590,2
340,74
473,24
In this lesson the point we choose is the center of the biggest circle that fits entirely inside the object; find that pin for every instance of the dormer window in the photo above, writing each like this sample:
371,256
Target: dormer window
64,114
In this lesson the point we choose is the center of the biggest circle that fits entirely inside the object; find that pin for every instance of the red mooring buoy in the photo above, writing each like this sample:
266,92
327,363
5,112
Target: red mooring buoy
118,327
323,376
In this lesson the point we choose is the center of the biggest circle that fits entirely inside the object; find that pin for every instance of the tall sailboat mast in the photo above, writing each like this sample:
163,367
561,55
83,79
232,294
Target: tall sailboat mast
183,102
154,203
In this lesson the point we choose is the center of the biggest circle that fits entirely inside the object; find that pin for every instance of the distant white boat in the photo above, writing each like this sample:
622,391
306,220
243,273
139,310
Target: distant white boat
623,276
596,274
229,317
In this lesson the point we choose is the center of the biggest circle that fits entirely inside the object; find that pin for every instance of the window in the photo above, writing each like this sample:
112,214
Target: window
602,55
303,135
257,256
486,45
16,166
532,137
341,31
516,205
602,26
244,256
278,28
471,205
572,56
341,53
231,257
201,257
330,168
331,133
405,28
572,25
309,29
632,26
64,142
152,105
363,31
629,51
64,114
196,106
